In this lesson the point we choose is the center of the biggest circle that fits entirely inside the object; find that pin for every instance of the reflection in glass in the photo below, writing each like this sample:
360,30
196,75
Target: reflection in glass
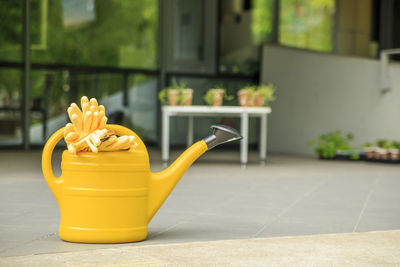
115,33
52,92
142,110
241,31
10,113
307,24
49,92
11,30
77,12
188,30
262,21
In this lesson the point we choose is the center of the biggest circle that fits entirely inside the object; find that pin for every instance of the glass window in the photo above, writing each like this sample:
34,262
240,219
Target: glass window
262,21
243,26
345,27
10,113
188,32
307,24
11,30
142,110
115,33
53,91
49,91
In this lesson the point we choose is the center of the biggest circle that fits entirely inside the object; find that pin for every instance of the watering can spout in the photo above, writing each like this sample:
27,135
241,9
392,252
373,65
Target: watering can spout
162,183
221,134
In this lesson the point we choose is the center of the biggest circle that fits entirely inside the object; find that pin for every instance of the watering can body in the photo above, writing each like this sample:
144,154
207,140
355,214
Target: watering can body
104,197
110,197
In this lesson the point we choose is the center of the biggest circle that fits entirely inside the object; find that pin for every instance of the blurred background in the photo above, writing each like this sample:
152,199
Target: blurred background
323,56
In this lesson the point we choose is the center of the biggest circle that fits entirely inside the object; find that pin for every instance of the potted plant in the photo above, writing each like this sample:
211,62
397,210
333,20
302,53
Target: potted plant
382,150
334,145
245,96
263,94
369,150
214,96
169,96
176,94
394,151
186,96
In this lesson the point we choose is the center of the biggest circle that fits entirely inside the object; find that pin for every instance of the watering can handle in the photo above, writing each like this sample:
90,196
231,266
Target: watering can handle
51,180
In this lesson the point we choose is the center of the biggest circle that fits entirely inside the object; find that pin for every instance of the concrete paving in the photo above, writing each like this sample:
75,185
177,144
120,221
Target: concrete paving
216,200
355,249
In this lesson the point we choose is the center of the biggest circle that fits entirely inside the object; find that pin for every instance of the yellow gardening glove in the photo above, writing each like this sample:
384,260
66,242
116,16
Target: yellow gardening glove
88,143
87,132
81,134
91,118
114,143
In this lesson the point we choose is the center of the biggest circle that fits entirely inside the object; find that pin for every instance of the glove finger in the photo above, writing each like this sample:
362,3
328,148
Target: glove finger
77,122
94,138
101,108
68,128
84,100
103,122
91,146
95,122
93,102
71,137
104,145
87,122
85,108
121,142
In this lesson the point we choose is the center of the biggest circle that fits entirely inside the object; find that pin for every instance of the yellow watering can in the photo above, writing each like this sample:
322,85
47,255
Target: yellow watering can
110,197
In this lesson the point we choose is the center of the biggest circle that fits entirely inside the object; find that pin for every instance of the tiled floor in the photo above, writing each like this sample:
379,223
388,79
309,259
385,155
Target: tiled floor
216,200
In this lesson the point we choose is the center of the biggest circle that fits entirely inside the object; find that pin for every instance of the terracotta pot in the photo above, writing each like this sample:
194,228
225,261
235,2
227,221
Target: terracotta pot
383,154
218,96
244,98
394,154
258,100
376,153
173,97
369,152
187,97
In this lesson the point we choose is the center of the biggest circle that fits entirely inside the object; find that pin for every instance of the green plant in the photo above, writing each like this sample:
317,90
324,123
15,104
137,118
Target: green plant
367,144
178,86
250,89
395,144
208,97
383,143
267,91
163,96
327,145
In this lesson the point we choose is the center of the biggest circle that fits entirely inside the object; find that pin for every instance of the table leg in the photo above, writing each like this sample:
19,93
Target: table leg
190,131
244,142
263,138
165,138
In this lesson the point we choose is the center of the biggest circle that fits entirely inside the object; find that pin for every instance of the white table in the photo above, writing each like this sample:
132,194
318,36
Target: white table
226,111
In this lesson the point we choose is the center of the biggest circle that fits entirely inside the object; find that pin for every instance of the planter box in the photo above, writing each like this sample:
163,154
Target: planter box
347,157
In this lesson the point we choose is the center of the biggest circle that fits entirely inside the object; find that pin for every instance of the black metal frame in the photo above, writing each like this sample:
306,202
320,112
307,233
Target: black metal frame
25,108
